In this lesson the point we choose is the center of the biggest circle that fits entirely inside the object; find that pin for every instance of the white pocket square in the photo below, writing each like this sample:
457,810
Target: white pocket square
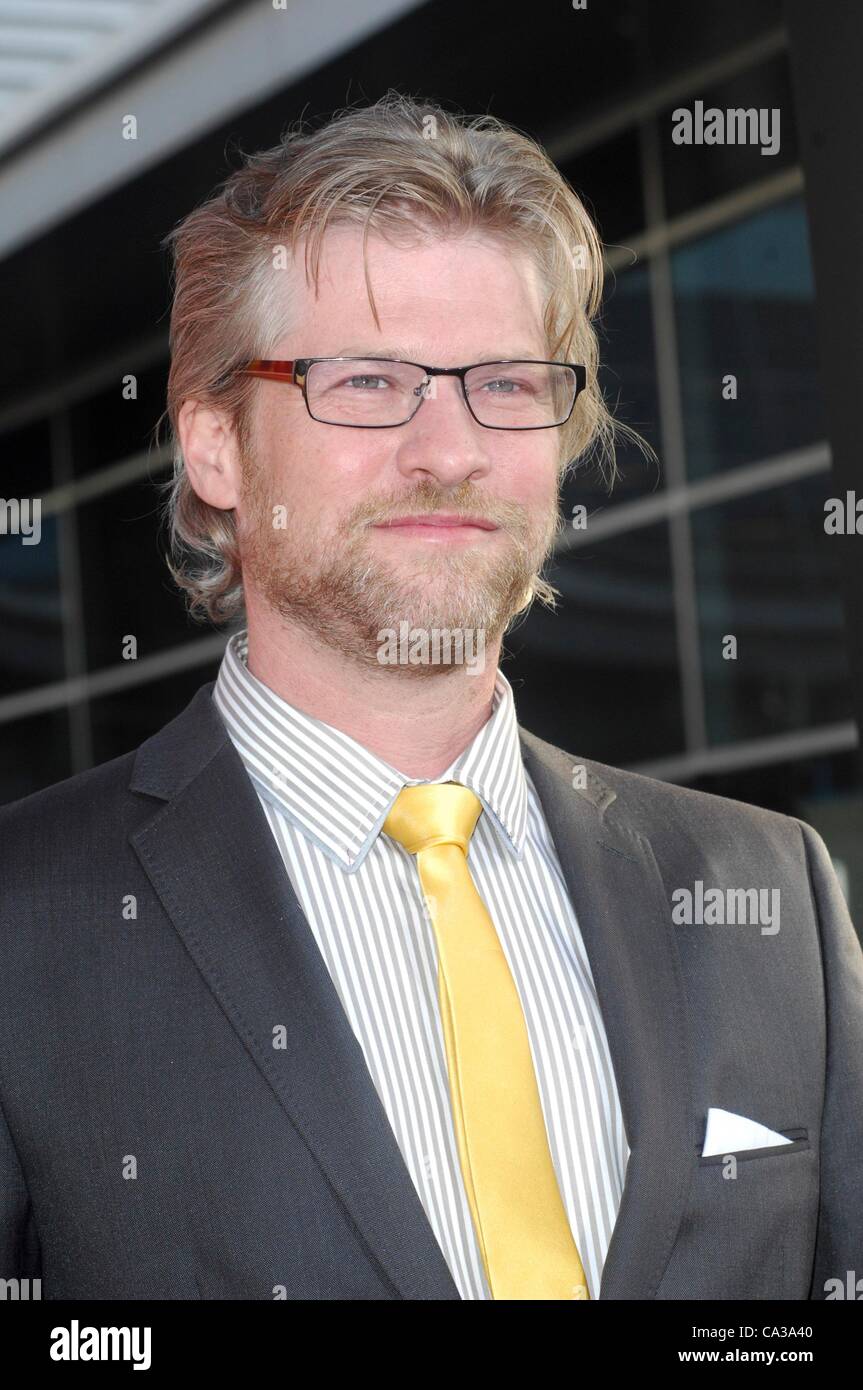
728,1133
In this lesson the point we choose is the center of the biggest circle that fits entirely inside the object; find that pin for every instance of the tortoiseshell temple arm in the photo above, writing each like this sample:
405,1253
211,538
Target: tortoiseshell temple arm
275,370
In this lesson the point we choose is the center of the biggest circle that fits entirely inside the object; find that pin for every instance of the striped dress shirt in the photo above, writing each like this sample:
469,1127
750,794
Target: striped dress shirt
325,798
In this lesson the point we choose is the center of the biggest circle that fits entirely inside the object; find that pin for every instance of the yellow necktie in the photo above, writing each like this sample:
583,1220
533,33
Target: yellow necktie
520,1221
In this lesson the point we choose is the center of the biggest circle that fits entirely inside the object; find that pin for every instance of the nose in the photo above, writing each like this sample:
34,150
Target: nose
443,440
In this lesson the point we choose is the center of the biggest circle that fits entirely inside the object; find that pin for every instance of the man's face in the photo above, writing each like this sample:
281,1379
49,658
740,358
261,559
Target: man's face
340,566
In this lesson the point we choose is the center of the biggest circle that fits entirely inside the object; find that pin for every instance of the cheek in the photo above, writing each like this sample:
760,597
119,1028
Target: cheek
534,481
361,465
323,480
335,461
304,465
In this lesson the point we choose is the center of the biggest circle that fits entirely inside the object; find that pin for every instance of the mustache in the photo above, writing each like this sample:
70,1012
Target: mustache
428,497
523,527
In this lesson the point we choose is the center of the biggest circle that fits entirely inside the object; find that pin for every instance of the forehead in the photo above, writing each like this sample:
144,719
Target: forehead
469,292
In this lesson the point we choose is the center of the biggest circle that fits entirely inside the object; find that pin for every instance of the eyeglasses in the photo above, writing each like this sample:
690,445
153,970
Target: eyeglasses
379,392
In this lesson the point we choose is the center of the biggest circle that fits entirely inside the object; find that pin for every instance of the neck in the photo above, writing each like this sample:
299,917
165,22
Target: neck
418,723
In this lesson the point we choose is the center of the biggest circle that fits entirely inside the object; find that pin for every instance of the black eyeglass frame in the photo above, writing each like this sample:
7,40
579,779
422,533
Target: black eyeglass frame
296,372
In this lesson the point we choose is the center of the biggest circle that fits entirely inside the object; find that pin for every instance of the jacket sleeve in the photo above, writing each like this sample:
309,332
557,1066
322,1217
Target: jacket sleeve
839,1241
19,1244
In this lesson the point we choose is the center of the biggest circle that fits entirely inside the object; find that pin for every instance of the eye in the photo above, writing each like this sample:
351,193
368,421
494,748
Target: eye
364,379
508,386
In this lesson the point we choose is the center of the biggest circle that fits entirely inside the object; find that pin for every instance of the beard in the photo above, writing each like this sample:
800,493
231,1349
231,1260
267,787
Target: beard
343,590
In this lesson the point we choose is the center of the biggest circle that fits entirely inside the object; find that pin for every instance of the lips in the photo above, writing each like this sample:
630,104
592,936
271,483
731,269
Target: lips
442,519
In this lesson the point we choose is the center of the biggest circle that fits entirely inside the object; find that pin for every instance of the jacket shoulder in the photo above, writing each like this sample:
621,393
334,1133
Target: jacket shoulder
93,797
652,802
79,800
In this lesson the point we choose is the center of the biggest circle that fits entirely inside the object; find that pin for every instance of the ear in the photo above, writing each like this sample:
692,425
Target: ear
211,453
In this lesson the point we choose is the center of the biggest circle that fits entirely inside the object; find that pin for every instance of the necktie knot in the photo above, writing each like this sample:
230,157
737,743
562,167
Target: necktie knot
439,813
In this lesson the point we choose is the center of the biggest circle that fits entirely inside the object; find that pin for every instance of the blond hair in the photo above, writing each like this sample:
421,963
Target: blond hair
399,168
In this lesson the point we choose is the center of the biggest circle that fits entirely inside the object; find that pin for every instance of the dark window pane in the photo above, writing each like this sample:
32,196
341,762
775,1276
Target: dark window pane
123,720
126,586
744,301
678,35
608,180
31,617
108,427
26,461
599,677
34,753
699,174
768,575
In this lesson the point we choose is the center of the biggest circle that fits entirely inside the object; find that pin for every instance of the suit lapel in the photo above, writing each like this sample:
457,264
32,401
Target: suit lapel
211,858
625,921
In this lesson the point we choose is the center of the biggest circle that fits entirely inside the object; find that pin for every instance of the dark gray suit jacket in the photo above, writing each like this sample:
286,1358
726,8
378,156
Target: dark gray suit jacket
155,1144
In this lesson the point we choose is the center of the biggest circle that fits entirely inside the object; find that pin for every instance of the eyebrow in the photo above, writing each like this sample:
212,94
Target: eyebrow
395,354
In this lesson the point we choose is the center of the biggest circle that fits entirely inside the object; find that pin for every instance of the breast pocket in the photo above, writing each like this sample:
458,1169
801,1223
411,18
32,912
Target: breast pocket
749,1227
799,1138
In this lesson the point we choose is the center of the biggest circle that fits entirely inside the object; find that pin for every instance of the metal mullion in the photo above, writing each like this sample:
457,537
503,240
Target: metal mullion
125,675
108,479
74,645
587,132
673,448
759,476
710,217
757,752
79,385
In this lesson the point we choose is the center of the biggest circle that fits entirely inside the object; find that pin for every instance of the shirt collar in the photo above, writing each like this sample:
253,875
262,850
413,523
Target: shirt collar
337,792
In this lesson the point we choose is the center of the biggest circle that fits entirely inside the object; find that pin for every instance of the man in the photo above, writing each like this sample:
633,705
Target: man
343,985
